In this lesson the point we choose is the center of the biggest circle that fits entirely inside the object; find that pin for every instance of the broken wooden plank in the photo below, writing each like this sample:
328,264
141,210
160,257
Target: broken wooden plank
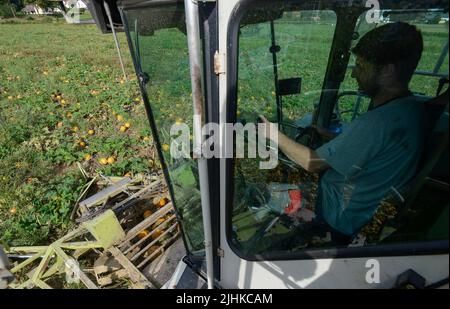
106,264
145,223
42,265
134,273
106,193
135,257
140,194
82,276
110,180
148,235
135,187
81,245
75,233
162,248
80,252
31,249
82,195
114,276
42,285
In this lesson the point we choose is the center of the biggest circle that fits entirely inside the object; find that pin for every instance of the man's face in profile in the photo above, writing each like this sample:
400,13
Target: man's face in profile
366,75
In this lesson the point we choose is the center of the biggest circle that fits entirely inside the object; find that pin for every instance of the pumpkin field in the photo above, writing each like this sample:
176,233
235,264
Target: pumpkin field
64,101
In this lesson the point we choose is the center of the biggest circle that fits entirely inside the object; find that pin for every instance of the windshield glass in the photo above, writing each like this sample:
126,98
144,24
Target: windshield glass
281,62
432,67
369,187
161,57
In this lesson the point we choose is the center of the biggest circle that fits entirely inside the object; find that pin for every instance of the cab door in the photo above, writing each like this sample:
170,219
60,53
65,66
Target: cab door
258,247
156,34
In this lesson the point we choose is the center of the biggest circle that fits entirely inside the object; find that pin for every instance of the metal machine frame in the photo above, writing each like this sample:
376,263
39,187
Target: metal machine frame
215,23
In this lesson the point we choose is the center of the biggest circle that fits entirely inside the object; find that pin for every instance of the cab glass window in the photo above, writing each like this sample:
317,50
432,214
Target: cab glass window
282,63
433,66
282,60
162,61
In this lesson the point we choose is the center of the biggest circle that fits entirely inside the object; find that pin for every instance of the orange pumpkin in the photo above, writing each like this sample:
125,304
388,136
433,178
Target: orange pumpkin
147,213
158,222
143,234
156,234
162,202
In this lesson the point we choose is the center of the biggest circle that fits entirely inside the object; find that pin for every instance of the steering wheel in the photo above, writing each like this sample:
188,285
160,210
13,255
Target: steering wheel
310,137
307,136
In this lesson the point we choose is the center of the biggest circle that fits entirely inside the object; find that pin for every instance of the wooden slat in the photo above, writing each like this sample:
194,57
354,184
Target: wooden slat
28,261
81,245
56,267
30,249
79,252
142,193
147,259
85,279
42,285
42,265
24,285
75,233
135,274
108,192
145,223
149,235
137,255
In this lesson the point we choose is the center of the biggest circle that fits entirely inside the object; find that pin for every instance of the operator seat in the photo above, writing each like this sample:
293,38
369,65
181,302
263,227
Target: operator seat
435,146
436,141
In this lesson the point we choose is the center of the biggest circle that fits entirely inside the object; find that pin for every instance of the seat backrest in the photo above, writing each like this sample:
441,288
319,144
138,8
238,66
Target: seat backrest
436,141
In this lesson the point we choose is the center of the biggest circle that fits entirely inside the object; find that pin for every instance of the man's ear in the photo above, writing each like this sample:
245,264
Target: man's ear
388,71
386,75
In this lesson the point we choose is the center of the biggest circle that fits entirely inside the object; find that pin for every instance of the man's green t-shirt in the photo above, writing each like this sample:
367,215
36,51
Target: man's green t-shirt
375,156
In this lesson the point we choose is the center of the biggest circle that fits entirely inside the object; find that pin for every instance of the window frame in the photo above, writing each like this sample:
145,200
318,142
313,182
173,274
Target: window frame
433,247
200,254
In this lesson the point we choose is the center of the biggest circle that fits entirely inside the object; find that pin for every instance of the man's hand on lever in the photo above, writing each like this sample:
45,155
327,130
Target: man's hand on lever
268,126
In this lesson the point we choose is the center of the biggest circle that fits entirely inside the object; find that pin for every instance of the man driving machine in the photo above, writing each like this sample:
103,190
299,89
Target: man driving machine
378,153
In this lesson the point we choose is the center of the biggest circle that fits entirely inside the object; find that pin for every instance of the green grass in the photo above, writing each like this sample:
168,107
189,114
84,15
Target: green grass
40,136
304,53
86,16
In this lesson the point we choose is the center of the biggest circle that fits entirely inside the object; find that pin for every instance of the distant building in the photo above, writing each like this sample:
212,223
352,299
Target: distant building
34,9
75,3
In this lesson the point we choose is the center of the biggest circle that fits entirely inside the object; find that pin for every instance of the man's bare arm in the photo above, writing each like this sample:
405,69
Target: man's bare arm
300,154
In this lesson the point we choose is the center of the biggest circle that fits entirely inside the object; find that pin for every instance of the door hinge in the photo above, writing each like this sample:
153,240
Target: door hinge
220,252
219,63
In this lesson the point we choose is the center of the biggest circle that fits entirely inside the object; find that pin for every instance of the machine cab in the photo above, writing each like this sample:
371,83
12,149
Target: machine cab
224,63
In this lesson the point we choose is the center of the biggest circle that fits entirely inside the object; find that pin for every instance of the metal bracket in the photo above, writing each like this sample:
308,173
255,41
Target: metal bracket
219,63
220,252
